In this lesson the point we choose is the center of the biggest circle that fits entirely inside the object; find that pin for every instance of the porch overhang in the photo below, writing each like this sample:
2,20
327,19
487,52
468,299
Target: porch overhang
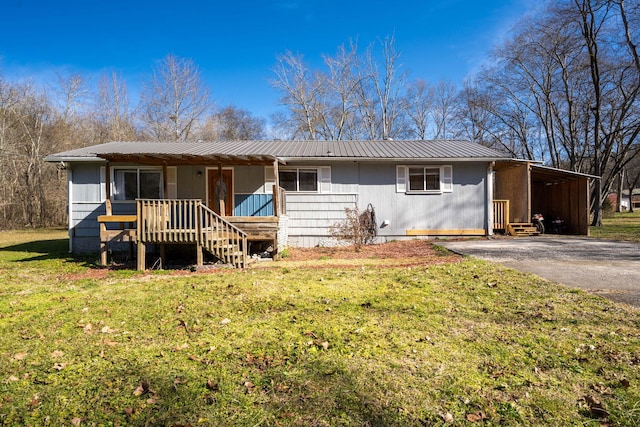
176,159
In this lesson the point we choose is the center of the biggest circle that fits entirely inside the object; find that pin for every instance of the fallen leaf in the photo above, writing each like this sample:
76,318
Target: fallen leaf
249,386
595,407
181,347
212,385
59,366
20,356
57,354
110,343
225,321
88,328
151,400
14,378
448,417
325,345
477,417
106,330
142,388
600,388
35,400
128,411
76,421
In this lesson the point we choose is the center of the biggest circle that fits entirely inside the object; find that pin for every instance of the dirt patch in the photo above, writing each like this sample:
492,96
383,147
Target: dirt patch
392,254
417,250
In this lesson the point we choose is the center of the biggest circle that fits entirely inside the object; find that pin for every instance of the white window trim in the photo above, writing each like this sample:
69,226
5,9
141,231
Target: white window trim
323,178
137,169
446,179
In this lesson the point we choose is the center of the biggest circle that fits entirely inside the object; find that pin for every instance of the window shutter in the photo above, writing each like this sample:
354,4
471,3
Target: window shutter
103,183
269,179
324,177
447,179
401,179
172,182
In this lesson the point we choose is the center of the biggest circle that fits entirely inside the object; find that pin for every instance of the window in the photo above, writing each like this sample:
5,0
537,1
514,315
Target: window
299,180
131,184
424,179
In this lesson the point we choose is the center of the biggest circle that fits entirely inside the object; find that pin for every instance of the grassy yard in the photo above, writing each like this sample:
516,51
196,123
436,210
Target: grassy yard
462,342
623,226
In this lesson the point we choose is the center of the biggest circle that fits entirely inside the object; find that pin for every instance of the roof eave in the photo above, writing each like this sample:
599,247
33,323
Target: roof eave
389,159
56,159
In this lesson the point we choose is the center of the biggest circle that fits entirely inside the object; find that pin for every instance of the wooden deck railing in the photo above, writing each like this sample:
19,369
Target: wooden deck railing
189,221
279,201
500,214
221,238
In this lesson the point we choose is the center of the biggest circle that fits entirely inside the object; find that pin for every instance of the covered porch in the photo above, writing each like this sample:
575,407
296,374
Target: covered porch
210,223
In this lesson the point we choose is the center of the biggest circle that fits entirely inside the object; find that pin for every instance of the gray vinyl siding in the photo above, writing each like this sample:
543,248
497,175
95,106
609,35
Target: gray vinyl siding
248,179
364,183
86,205
190,185
311,214
461,209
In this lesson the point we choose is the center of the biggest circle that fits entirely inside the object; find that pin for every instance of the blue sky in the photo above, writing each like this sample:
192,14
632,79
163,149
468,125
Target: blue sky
235,43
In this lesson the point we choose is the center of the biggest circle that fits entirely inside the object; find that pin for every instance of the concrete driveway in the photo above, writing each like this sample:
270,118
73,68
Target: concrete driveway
603,267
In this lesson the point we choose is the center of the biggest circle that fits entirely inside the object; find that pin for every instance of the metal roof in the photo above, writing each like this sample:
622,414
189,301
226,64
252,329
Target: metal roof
264,152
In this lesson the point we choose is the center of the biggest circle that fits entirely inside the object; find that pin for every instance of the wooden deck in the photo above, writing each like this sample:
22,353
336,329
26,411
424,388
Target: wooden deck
186,221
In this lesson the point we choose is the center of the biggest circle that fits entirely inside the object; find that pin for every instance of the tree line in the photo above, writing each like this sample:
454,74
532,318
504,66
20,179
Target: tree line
72,112
562,88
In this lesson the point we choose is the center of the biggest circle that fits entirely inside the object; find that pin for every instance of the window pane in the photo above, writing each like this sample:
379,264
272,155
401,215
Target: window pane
126,185
288,180
433,178
308,179
150,184
416,179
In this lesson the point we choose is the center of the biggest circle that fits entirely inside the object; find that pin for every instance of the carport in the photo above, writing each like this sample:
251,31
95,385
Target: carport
532,188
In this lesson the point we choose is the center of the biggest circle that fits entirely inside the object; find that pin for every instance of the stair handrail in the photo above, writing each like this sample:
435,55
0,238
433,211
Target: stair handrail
238,237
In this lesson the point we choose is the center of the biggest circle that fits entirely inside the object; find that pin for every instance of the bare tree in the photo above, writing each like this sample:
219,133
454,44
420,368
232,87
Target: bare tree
444,108
233,123
419,100
356,98
174,99
300,91
381,91
113,116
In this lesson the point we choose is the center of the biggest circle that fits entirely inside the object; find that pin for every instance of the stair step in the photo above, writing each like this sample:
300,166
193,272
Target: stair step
521,229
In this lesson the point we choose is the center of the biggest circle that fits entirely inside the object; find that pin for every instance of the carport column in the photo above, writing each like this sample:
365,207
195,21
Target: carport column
490,199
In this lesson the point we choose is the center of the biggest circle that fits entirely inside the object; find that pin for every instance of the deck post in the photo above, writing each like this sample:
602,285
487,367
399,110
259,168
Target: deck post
199,235
141,258
142,262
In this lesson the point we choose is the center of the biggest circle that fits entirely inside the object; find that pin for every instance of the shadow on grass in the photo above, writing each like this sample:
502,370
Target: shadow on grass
49,249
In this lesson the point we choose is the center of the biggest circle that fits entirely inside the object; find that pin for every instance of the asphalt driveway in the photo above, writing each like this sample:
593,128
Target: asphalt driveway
603,267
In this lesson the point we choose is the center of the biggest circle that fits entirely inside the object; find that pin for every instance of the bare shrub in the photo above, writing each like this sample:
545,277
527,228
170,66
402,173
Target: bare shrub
358,228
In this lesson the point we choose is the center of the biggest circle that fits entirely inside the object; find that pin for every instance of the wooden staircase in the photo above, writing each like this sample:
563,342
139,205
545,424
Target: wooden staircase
521,229
222,239
182,221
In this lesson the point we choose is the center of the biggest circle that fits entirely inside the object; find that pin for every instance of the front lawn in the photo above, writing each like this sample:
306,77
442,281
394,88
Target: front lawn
423,340
622,226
